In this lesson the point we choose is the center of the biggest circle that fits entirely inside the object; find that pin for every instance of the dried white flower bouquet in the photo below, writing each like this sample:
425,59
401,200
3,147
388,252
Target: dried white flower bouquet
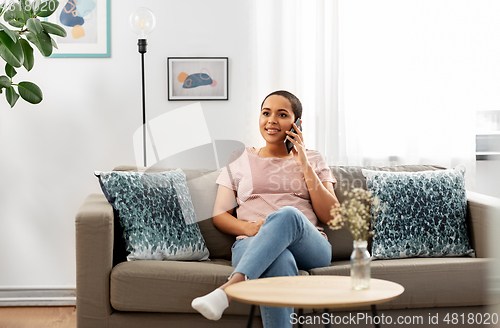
359,211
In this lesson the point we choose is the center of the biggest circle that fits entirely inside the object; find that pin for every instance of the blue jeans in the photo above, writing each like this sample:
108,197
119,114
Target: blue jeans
286,242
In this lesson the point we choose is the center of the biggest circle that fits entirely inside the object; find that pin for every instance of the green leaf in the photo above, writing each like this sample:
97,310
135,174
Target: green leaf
14,15
54,44
29,59
34,25
47,8
41,41
30,92
11,96
11,52
55,29
4,82
9,32
9,70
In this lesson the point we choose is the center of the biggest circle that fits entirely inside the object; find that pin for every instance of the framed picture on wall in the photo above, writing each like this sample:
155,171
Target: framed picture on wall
197,78
87,24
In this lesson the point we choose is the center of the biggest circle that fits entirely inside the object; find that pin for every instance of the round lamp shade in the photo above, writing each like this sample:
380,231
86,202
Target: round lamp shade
143,21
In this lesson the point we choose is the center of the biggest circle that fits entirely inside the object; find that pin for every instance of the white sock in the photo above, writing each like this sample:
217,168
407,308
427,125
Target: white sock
211,305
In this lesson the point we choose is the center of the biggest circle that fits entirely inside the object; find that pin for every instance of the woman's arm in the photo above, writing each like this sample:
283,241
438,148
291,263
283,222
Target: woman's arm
224,219
321,193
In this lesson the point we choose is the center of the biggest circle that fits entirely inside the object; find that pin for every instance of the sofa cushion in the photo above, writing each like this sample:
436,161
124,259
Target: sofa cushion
156,214
203,190
349,177
423,213
154,286
168,286
428,282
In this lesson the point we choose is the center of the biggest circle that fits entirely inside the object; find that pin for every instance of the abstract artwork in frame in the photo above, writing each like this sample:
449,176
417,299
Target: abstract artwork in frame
197,78
87,23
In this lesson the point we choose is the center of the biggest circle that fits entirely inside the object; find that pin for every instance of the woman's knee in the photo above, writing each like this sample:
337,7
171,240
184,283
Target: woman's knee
288,213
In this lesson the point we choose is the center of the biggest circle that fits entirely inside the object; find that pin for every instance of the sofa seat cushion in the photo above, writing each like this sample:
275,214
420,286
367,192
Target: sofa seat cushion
164,286
168,286
428,282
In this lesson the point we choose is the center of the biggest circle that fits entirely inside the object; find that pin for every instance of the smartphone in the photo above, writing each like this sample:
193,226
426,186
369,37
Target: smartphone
288,143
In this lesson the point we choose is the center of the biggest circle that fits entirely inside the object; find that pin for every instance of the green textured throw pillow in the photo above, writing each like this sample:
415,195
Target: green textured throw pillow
156,214
423,213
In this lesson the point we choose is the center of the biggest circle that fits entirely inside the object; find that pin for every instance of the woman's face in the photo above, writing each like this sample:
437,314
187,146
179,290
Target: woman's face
276,117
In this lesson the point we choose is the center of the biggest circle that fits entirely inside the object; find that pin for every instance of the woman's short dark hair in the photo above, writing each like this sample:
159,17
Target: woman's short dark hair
296,104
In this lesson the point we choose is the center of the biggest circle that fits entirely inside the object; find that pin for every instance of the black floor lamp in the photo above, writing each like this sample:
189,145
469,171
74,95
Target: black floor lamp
143,21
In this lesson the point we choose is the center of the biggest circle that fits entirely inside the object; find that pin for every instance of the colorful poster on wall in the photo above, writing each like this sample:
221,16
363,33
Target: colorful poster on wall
200,78
87,25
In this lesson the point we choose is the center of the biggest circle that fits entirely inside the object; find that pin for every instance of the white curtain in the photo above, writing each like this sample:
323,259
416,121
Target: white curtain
294,48
382,82
413,74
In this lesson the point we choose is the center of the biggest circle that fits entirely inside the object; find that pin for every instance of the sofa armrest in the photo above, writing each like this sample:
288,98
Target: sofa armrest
94,261
483,217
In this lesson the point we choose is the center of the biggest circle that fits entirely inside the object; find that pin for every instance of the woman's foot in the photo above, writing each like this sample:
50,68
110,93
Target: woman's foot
212,305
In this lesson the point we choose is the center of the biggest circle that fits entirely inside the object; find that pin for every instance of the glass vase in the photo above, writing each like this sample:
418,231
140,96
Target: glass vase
360,265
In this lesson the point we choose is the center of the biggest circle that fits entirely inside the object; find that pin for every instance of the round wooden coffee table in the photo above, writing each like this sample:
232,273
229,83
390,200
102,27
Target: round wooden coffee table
319,292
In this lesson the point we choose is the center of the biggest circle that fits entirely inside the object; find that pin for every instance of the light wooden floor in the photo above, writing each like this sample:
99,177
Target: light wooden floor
39,317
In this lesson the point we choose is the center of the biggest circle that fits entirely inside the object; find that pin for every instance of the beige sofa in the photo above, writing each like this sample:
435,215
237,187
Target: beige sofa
112,292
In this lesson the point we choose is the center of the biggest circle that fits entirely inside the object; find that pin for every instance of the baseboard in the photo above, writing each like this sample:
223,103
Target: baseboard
37,296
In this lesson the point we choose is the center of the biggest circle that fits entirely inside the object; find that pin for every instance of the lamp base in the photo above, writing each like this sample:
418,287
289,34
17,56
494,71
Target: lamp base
143,45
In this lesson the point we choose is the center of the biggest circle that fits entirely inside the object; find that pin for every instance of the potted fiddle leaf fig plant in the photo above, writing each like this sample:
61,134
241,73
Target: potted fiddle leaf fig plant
25,27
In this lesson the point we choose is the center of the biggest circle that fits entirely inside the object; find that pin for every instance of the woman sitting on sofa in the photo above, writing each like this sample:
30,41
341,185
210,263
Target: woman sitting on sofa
280,198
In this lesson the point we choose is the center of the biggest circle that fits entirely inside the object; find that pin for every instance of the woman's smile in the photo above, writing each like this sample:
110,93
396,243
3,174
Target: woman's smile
272,130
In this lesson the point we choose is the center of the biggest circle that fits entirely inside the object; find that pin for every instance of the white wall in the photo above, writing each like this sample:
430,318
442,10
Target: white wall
91,108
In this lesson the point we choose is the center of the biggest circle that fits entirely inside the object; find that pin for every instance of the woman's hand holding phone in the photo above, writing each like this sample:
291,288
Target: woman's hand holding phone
295,127
299,151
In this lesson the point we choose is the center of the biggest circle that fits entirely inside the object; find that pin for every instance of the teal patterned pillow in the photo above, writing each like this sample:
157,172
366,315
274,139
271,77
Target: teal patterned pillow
156,214
423,214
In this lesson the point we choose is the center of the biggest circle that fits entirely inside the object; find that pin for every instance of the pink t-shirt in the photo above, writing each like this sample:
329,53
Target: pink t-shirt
265,184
